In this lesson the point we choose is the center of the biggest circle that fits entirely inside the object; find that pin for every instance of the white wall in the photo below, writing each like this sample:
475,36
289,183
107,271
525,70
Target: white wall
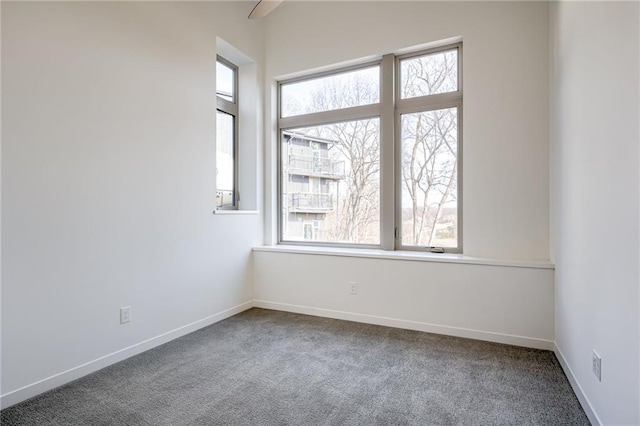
108,173
595,202
505,56
502,304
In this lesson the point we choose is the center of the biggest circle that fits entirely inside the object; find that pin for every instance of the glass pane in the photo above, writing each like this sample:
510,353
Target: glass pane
331,183
429,168
225,175
429,74
225,81
348,89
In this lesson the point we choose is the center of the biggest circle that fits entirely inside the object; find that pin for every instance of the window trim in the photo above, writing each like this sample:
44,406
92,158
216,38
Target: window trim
231,108
388,110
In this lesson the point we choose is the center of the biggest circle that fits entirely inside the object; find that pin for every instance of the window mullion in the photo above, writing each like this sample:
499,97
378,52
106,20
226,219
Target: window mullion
387,136
445,100
227,106
331,116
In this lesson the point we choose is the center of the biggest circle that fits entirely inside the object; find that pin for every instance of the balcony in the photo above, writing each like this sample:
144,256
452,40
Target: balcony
307,165
307,202
224,198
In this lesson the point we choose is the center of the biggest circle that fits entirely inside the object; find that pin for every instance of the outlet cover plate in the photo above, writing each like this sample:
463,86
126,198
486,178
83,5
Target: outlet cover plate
125,314
596,365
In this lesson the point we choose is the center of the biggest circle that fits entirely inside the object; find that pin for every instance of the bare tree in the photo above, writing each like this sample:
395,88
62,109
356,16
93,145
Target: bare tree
429,167
358,142
429,145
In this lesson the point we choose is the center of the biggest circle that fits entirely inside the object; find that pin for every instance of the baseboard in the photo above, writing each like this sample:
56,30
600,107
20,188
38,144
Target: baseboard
64,377
489,336
577,389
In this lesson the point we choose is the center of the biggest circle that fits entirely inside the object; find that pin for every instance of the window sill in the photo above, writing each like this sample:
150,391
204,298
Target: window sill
405,255
236,212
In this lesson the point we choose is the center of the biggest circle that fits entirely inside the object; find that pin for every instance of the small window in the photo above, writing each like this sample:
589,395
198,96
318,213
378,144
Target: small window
429,74
225,81
226,134
327,93
429,178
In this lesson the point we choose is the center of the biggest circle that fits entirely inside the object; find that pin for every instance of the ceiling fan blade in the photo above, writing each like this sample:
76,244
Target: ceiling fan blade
263,8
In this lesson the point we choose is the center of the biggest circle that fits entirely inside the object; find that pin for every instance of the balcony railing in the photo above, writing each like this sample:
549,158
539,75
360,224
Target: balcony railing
308,165
224,198
310,202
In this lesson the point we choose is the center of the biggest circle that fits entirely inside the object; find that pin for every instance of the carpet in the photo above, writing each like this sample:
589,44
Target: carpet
264,367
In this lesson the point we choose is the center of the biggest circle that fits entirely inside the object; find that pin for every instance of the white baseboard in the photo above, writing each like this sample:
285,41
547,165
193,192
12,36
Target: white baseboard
29,391
577,389
529,342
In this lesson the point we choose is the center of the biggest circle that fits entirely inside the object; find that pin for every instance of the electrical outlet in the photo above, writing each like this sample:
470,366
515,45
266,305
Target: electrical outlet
596,365
125,314
353,287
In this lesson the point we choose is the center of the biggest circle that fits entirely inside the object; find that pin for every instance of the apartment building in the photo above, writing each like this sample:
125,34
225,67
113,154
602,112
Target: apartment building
310,186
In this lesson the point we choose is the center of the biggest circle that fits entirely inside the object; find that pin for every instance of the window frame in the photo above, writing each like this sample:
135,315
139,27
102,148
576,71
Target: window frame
425,104
388,110
231,108
361,112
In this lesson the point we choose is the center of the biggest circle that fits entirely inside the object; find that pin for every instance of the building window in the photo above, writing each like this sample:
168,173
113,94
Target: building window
226,134
388,130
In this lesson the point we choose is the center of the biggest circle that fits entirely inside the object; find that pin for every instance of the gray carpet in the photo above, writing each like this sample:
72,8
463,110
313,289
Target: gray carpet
266,367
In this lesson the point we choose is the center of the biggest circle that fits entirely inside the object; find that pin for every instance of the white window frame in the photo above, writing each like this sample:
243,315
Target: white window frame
231,108
388,110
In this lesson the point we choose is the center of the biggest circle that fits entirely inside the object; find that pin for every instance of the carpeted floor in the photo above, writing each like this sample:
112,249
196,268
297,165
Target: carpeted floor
266,367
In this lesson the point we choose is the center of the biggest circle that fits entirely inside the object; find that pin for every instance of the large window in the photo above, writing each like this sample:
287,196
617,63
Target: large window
370,155
226,134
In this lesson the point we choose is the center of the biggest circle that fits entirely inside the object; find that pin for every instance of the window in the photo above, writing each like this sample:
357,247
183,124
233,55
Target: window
226,134
369,156
428,105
